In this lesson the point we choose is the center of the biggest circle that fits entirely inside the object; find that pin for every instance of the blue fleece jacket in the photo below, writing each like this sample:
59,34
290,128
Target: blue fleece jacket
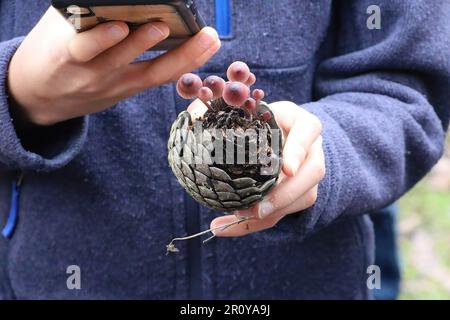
98,193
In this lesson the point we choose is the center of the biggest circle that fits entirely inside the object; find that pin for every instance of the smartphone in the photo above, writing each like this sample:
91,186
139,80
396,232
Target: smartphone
181,16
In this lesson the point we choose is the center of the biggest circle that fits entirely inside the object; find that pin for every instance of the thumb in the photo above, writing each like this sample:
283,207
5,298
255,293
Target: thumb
197,109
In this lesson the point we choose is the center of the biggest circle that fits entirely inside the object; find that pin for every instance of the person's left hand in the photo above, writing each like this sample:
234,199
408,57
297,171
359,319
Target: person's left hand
303,170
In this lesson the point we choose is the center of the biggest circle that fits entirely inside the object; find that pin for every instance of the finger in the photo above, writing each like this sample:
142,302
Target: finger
139,41
286,113
85,46
197,109
251,226
171,65
304,202
308,176
241,229
306,129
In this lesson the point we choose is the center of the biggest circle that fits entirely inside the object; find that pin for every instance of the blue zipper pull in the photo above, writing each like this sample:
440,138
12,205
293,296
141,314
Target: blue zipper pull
223,18
13,214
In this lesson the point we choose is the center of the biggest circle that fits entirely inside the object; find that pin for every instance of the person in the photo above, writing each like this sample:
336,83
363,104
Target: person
85,186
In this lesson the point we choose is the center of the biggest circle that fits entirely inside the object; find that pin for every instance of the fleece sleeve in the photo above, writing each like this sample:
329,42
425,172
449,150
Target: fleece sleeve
384,101
39,148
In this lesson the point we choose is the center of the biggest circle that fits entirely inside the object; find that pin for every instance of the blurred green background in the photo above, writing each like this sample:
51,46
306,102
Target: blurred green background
424,235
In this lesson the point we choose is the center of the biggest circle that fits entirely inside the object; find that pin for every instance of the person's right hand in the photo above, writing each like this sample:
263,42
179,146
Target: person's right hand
57,74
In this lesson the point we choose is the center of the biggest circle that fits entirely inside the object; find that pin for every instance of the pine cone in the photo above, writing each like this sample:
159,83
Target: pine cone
230,158
221,187
205,172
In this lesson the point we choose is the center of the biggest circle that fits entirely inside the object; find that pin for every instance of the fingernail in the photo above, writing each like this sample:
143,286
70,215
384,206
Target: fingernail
154,33
265,209
116,32
214,226
243,213
206,40
215,48
217,229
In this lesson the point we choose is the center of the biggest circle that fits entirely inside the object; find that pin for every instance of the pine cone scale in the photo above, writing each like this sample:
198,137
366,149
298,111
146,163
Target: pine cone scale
228,196
242,183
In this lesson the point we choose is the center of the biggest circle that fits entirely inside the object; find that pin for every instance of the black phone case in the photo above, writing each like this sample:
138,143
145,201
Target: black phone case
186,9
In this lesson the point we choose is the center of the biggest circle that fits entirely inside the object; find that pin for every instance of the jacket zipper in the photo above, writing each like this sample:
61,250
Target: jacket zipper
191,207
223,18
13,215
194,247
191,210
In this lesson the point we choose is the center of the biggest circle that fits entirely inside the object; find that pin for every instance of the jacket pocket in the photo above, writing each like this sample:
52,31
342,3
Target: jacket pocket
268,34
280,84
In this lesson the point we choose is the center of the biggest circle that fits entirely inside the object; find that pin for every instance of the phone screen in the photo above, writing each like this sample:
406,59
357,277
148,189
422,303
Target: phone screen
86,18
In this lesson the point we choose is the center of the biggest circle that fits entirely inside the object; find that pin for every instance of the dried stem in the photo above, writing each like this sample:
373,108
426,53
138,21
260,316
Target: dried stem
171,248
